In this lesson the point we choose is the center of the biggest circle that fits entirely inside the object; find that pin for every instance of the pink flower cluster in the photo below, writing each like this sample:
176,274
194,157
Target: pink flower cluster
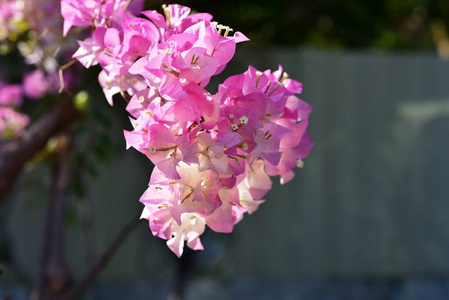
11,13
213,154
37,18
35,85
18,16
12,122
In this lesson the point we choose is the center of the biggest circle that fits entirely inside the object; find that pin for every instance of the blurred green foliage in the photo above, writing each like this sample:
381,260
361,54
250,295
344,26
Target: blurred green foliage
379,24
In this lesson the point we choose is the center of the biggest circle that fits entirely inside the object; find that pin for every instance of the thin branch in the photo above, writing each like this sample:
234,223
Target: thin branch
15,154
104,259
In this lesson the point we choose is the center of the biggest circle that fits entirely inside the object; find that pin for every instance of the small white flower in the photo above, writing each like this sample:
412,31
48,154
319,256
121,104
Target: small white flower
244,120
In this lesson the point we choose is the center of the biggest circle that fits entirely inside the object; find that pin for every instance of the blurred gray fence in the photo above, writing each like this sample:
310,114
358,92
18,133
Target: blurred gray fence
371,201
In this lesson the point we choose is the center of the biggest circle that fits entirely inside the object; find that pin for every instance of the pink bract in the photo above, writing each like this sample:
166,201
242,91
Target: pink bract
35,85
11,95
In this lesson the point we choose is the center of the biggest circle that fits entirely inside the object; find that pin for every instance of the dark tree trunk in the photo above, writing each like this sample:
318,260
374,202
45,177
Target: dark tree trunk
53,278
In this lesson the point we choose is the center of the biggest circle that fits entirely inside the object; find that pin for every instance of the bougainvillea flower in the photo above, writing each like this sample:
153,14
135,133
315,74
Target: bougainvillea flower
213,154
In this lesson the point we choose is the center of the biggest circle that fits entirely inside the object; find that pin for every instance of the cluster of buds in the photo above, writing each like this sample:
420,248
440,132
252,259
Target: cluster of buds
213,154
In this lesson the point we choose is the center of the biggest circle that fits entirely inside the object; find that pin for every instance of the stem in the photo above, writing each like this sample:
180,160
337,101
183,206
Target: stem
104,259
185,264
